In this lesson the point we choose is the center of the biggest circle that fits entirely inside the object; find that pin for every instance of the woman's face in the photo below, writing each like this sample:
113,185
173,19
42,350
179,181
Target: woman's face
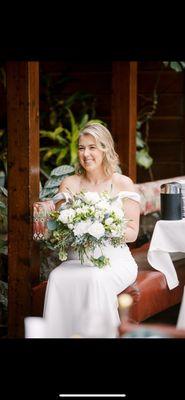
90,156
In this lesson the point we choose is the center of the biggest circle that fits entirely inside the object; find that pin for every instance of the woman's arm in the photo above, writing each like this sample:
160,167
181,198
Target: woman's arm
67,185
131,208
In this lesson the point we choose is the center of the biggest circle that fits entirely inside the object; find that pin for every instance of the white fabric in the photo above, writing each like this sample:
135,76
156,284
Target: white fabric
35,327
181,316
82,299
61,196
168,237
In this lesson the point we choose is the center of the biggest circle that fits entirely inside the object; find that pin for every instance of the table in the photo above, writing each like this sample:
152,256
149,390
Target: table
167,244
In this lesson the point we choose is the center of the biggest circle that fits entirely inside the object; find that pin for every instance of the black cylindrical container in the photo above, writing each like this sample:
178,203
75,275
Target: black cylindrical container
171,201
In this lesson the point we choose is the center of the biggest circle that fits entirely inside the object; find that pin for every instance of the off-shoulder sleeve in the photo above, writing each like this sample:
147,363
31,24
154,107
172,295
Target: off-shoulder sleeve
61,196
130,195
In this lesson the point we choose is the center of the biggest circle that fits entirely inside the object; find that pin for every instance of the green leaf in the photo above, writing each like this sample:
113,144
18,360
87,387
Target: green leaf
4,191
176,66
183,64
138,124
83,121
48,193
52,182
52,225
139,141
62,170
143,158
61,155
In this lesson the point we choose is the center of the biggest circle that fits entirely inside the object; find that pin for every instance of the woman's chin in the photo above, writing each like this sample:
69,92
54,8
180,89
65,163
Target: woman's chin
89,167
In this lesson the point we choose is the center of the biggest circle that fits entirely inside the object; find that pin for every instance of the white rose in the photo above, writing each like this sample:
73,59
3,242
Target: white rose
81,228
66,216
91,197
97,230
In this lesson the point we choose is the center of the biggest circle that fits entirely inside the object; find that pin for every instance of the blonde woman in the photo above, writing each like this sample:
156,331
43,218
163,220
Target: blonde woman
82,299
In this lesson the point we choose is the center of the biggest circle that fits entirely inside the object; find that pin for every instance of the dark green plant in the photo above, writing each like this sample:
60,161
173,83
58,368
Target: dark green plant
63,141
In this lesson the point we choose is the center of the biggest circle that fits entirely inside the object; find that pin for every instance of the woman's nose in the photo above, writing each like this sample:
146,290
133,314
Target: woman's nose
86,152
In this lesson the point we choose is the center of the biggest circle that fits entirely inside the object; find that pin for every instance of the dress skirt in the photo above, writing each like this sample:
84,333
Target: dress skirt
81,299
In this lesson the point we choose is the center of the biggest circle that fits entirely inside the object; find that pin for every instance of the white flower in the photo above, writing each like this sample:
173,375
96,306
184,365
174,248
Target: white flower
66,216
91,197
70,226
108,221
97,230
102,205
99,215
82,210
81,228
118,211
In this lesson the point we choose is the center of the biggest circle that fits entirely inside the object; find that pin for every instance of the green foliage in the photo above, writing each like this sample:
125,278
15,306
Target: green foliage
52,184
61,118
64,140
177,66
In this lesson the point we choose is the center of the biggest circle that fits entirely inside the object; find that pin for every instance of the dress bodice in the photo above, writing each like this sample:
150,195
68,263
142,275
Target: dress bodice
120,195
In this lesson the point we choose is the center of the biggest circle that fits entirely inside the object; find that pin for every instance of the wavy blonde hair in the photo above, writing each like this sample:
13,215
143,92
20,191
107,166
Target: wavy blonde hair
105,143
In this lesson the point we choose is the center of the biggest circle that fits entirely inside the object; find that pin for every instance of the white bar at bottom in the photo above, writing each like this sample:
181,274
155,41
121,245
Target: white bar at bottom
92,395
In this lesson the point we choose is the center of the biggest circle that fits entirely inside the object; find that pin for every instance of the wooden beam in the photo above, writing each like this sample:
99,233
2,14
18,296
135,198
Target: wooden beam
23,188
124,113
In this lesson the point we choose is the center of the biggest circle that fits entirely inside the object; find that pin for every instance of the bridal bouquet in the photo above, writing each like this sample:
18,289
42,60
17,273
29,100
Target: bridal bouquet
87,221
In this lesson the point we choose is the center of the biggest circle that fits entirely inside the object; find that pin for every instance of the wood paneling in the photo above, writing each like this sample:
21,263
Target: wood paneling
166,138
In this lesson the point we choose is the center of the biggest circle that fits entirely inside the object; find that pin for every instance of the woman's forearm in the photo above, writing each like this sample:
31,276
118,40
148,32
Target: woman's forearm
131,234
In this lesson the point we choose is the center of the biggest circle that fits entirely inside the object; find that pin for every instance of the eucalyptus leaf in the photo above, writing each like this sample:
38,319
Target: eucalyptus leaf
52,225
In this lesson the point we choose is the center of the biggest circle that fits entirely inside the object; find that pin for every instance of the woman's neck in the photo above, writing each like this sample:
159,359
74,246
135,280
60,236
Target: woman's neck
96,178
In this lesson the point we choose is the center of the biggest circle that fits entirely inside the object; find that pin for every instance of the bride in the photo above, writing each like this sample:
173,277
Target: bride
81,299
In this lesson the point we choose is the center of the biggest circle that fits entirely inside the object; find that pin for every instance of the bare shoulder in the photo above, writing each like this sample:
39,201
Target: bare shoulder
70,182
123,182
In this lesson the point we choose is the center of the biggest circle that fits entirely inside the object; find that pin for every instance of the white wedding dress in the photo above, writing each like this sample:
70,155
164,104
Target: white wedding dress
81,299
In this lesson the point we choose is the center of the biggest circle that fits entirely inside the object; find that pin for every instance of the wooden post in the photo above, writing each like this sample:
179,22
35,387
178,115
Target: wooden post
124,113
23,188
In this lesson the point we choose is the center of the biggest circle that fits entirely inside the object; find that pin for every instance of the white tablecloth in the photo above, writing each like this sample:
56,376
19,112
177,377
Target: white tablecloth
168,237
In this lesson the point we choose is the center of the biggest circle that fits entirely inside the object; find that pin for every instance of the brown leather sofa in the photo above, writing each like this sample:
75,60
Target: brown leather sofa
150,292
